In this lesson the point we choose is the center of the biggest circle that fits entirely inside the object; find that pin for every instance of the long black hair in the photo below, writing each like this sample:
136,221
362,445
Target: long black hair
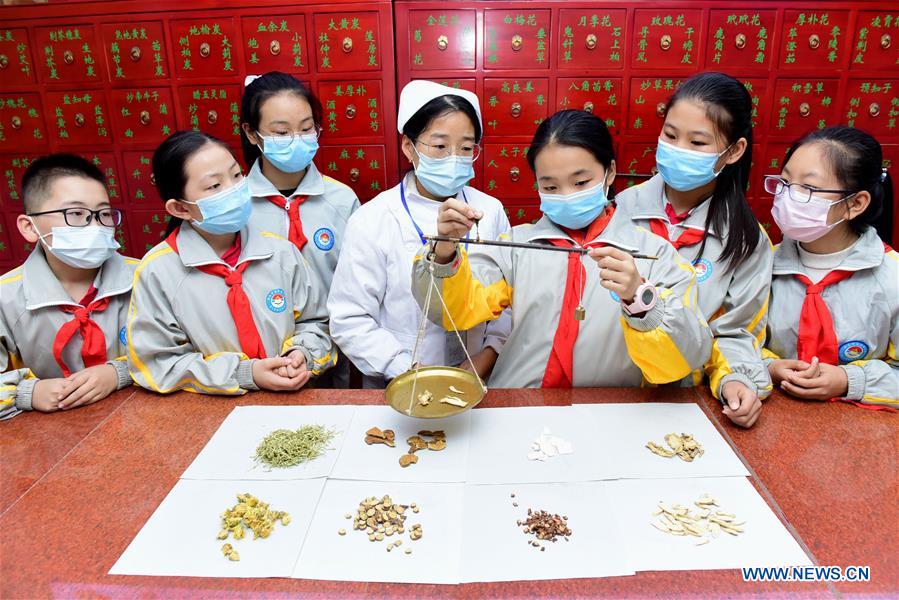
856,160
169,160
729,106
437,107
575,128
254,96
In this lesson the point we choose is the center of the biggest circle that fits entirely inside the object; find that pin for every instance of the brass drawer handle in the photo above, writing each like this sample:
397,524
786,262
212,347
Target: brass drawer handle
874,109
740,41
4,61
590,41
805,109
68,57
347,44
275,47
516,109
661,109
16,122
514,173
79,120
205,49
144,117
442,43
588,106
665,42
212,116
354,174
517,42
135,53
351,111
885,41
814,41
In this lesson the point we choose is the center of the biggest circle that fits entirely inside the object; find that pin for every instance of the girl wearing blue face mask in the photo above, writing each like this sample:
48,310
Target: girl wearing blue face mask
698,203
374,318
602,319
220,307
280,119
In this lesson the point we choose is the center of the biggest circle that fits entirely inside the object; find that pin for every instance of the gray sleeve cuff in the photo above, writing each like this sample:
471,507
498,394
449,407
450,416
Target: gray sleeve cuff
245,375
447,270
401,363
23,394
739,377
651,320
121,370
856,376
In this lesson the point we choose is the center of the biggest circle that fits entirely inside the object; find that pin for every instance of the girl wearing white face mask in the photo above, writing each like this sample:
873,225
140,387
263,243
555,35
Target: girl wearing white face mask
62,312
601,319
833,325
220,307
281,124
374,318
698,203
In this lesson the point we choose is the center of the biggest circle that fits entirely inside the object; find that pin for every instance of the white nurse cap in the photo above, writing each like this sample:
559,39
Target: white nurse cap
418,93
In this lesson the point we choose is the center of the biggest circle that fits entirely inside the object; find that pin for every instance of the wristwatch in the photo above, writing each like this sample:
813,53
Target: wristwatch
644,299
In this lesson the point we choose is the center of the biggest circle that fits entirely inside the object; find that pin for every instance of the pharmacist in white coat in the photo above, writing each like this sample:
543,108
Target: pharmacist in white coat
374,318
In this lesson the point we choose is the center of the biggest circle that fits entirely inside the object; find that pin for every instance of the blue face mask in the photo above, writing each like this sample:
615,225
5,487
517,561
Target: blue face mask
686,169
225,212
577,210
444,177
291,157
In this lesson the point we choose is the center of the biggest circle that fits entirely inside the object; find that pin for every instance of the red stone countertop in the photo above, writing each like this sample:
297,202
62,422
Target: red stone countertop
78,486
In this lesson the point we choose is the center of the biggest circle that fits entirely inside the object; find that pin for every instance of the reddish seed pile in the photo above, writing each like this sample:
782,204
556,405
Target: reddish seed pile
546,527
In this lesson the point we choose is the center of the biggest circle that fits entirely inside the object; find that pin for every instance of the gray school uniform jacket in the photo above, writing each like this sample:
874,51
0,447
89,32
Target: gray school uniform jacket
181,335
733,301
324,214
30,317
612,347
865,313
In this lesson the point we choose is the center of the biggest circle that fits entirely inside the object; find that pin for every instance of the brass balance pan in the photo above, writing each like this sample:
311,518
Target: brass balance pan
436,381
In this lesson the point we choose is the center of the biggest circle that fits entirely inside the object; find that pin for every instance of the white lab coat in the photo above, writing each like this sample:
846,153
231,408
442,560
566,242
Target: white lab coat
374,318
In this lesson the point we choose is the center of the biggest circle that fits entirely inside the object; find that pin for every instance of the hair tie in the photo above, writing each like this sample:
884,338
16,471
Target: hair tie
883,175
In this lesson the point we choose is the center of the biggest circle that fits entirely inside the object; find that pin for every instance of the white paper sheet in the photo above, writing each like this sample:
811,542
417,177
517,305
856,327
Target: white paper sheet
501,439
496,548
229,453
378,462
180,538
621,432
764,543
352,557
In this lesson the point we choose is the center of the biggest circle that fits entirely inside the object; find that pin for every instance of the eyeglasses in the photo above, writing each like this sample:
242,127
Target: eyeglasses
798,192
472,151
82,217
285,139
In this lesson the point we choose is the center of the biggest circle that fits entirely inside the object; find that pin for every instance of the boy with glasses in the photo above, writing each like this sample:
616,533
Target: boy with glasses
62,312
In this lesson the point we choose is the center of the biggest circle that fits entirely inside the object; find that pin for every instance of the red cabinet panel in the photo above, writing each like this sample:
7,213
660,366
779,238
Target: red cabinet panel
142,116
805,104
16,61
106,162
601,97
507,174
636,163
135,52
876,44
514,107
146,228
648,99
814,39
758,90
21,122
442,39
520,214
213,109
516,39
347,43
873,105
12,167
69,54
740,39
591,39
78,118
204,47
667,39
7,259
360,167
351,108
275,43
138,171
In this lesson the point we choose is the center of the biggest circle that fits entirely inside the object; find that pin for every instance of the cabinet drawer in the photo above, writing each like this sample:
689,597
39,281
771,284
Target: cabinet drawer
666,39
138,170
601,97
516,39
213,109
275,43
803,104
204,47
78,118
507,173
514,107
740,39
16,61
21,122
813,39
360,167
591,39
135,52
873,105
347,43
442,39
648,101
876,43
351,108
69,54
142,116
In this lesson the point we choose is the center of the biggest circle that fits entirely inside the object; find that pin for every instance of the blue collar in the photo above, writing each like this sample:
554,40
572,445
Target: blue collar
421,234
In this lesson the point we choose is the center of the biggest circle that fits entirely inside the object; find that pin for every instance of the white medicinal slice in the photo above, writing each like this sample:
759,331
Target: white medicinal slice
548,445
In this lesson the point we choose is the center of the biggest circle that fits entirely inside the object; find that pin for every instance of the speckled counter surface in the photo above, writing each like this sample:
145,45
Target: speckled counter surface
77,487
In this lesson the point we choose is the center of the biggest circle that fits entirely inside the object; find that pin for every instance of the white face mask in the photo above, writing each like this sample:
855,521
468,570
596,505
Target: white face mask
81,247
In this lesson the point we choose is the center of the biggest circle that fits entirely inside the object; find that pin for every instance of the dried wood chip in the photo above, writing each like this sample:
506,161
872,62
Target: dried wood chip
705,524
682,446
408,459
454,401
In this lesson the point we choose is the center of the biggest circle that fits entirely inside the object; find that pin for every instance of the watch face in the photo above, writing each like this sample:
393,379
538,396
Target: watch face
647,296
